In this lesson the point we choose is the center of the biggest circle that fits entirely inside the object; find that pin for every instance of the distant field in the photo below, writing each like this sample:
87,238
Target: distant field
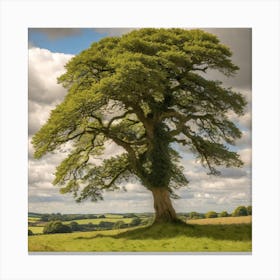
109,218
228,237
97,221
224,220
36,230
33,219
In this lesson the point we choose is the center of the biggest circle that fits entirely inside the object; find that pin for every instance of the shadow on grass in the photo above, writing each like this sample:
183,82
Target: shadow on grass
233,232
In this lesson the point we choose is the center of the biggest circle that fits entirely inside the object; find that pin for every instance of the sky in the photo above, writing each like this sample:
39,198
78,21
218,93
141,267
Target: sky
49,49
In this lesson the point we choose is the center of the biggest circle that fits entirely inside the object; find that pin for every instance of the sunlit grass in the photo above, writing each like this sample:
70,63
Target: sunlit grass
36,230
156,238
223,220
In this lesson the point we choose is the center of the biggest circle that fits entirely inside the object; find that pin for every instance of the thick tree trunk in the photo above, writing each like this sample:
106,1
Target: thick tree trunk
163,206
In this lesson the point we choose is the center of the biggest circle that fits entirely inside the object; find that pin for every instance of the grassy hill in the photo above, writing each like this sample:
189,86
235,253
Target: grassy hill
231,236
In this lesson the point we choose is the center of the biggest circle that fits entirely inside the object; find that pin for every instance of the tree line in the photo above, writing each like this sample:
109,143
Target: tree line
239,211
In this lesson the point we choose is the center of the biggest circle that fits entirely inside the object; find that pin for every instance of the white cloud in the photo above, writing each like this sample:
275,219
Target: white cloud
43,69
246,156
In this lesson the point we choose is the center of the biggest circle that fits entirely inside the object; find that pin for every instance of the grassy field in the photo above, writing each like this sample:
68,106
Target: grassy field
38,228
98,220
232,236
222,221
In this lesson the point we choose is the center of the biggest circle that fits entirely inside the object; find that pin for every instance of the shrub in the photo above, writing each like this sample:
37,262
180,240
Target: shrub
194,215
44,218
224,214
118,225
240,211
129,215
56,227
249,210
211,214
106,225
30,232
135,222
75,226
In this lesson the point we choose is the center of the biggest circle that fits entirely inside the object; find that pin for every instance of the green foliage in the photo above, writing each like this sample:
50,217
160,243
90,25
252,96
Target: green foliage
143,91
211,214
196,215
119,224
135,222
30,232
249,210
240,211
75,226
129,215
224,214
56,227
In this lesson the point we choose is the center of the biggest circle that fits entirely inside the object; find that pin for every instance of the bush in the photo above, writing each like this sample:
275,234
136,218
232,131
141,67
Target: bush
106,225
211,214
240,211
224,214
118,225
129,215
75,226
30,232
56,227
135,222
249,210
195,215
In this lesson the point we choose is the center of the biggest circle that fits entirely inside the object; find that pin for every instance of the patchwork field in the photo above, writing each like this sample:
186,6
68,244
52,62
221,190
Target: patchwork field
222,221
205,235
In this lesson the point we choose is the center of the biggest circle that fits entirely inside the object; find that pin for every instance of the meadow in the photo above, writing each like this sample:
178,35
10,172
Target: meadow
230,234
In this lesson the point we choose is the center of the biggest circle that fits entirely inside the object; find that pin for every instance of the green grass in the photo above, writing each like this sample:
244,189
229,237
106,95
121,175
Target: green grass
156,238
33,218
36,230
97,221
223,220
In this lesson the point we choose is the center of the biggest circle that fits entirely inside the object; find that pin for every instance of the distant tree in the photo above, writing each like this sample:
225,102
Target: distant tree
224,214
45,218
56,227
249,210
240,211
118,224
135,222
102,217
30,232
74,226
106,225
144,91
193,215
211,214
129,215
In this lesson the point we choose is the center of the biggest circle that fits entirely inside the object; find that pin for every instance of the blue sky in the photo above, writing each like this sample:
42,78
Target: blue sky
71,44
49,51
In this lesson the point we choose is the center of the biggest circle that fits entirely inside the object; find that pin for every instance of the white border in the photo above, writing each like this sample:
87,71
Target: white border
262,16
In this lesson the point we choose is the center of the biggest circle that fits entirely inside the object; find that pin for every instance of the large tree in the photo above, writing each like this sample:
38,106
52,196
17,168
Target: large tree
145,91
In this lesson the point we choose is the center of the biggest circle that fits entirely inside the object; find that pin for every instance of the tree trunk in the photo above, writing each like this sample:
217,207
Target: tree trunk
163,206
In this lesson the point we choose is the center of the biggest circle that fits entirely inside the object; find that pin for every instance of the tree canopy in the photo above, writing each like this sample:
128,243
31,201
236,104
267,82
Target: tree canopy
143,91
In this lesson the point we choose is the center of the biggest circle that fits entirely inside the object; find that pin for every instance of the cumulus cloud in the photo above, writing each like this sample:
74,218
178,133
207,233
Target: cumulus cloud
246,156
43,69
